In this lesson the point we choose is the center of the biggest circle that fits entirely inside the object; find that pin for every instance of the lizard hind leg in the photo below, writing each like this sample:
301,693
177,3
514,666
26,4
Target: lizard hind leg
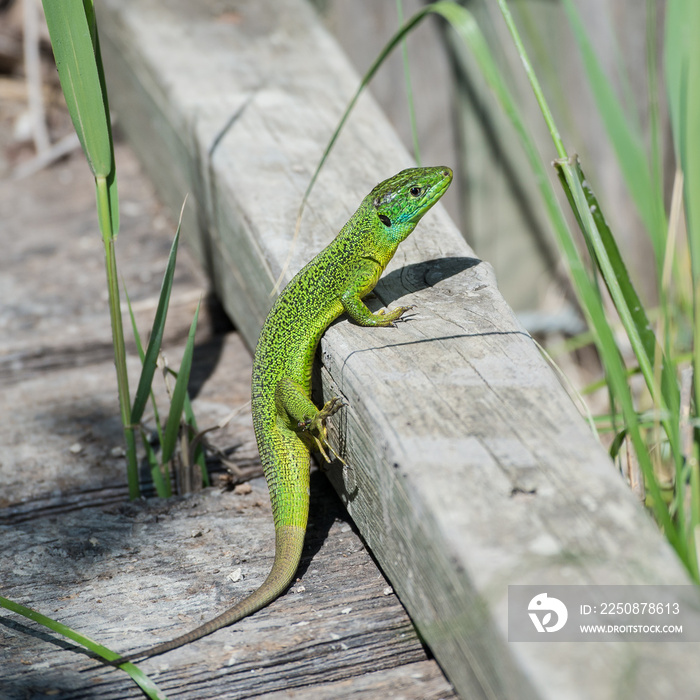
305,417
316,427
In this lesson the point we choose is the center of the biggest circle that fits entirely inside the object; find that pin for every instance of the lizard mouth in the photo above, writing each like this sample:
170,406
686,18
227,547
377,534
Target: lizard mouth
435,192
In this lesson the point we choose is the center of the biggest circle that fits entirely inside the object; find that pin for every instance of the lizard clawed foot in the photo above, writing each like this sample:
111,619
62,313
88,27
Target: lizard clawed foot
390,317
316,427
329,408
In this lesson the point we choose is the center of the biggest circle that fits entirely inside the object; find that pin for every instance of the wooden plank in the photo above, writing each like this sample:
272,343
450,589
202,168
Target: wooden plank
134,574
471,469
126,574
422,681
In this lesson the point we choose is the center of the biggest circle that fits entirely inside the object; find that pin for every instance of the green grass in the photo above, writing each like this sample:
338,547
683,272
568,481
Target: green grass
149,688
75,42
660,447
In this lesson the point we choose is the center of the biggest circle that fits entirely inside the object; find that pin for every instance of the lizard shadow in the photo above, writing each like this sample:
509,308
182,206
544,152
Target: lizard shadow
417,276
325,508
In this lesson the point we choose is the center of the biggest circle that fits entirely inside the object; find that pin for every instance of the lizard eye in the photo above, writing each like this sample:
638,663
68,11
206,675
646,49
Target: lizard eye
385,220
416,191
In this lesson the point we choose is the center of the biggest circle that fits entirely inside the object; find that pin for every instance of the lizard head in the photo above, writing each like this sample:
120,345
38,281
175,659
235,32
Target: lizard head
400,202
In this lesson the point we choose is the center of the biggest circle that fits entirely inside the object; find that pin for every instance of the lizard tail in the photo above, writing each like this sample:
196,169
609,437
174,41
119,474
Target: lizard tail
289,541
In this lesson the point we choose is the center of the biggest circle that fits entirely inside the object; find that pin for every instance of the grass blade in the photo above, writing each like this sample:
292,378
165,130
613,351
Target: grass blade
682,54
634,319
625,139
139,677
676,65
631,309
615,369
409,88
160,481
75,43
72,40
177,401
134,327
151,356
142,355
593,308
115,316
112,175
199,456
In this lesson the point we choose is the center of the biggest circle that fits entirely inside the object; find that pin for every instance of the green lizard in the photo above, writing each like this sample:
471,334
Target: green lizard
287,424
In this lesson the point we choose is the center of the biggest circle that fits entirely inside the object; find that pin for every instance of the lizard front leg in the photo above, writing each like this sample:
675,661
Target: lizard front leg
364,280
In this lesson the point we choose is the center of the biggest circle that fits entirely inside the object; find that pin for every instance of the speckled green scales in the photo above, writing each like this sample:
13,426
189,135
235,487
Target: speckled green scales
287,424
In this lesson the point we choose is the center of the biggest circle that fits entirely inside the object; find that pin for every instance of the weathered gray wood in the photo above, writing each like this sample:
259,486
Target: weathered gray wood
127,574
420,680
471,469
135,574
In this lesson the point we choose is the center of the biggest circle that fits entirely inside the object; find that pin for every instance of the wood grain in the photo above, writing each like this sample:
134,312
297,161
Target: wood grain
470,468
137,573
